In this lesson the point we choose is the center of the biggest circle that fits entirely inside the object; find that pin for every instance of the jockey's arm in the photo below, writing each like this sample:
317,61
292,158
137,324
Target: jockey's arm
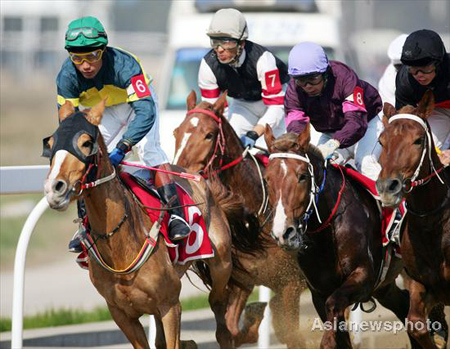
272,92
145,111
296,118
207,83
355,115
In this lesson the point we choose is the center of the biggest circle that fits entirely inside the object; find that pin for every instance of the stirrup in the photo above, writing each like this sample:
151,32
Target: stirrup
178,228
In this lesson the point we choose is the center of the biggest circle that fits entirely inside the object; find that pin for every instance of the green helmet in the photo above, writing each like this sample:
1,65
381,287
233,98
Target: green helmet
85,32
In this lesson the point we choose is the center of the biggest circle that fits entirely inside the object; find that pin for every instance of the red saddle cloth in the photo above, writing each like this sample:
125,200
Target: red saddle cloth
197,245
389,215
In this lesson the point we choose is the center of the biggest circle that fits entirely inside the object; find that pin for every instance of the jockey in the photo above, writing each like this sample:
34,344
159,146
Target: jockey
337,103
426,67
386,85
251,74
94,71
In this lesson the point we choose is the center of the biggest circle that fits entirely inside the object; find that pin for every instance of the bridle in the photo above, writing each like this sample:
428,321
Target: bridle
314,192
410,183
221,145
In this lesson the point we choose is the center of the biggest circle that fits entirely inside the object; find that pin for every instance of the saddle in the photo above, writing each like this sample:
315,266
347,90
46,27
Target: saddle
195,246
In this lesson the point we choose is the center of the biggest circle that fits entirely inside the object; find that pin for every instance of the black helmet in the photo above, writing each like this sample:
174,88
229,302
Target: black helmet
422,48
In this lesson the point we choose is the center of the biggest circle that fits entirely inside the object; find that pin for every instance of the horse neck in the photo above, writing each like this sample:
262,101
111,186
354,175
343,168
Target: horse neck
242,176
106,206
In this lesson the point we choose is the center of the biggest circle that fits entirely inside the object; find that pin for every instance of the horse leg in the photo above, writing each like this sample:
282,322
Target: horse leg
417,316
131,327
285,307
220,269
171,319
396,300
350,291
237,304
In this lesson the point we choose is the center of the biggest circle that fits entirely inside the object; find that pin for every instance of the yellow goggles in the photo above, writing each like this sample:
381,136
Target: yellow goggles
90,57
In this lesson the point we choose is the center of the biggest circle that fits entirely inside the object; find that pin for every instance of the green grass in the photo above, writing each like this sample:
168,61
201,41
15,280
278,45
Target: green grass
63,317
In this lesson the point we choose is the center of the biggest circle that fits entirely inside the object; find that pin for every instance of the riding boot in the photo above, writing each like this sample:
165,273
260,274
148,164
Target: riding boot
75,243
178,227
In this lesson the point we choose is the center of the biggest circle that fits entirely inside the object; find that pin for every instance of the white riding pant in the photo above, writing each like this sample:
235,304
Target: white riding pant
245,115
439,121
115,122
365,152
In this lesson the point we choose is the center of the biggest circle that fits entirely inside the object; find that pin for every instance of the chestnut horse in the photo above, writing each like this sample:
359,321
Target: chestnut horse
411,170
205,141
119,226
341,252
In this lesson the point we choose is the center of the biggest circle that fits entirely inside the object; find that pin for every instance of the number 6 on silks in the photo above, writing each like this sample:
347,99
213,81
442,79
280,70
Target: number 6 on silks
140,87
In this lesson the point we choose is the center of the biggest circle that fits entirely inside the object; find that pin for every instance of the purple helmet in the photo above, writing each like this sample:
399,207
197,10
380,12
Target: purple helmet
307,58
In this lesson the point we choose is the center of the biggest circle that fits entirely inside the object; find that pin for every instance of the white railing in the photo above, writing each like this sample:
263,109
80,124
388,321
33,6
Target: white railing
30,179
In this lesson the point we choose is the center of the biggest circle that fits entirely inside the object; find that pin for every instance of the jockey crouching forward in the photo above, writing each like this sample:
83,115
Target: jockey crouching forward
426,67
94,71
337,103
250,73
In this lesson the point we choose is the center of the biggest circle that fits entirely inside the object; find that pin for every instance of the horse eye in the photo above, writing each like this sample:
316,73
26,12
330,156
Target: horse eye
380,143
303,177
210,135
87,144
419,141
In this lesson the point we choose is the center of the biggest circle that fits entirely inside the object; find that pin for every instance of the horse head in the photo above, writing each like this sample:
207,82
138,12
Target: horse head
407,150
72,151
200,140
290,178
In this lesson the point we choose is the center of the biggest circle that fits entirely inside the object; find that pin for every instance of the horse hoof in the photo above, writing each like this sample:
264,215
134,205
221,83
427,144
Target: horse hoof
254,312
439,341
188,344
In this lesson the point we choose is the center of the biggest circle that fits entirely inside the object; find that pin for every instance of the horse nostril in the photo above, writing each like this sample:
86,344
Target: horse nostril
395,186
59,186
288,232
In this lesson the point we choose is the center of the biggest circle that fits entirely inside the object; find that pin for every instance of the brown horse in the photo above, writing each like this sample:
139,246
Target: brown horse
411,170
341,252
120,226
205,141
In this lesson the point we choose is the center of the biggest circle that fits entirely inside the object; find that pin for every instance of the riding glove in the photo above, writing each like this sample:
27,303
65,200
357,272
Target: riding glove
249,139
327,149
117,155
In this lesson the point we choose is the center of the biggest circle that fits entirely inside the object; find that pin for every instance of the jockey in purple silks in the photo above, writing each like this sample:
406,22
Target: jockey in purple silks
330,96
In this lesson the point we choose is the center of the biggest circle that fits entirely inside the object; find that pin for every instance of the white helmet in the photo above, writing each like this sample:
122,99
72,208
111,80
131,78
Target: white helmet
228,23
395,49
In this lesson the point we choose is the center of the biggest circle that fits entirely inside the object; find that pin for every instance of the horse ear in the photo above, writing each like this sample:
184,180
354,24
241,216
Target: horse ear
388,111
66,109
269,137
191,100
94,115
426,105
220,104
304,138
